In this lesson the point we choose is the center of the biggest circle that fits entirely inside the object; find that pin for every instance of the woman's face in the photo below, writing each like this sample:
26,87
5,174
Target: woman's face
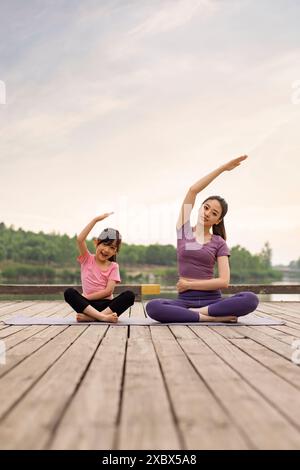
104,252
210,213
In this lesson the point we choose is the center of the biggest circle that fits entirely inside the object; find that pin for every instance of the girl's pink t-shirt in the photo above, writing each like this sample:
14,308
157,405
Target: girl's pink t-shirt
93,279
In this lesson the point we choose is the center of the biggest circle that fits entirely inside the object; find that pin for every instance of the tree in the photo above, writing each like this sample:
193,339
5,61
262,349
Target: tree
266,255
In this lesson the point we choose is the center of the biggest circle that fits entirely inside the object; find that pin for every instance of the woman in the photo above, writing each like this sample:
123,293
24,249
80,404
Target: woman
199,296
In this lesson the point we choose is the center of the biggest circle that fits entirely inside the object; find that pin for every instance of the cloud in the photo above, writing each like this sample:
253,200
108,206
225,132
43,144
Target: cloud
172,15
153,95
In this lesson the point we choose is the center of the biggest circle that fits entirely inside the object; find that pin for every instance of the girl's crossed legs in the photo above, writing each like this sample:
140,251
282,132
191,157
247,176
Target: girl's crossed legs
99,310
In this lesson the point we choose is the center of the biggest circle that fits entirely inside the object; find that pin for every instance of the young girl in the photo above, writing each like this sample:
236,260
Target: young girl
99,275
198,249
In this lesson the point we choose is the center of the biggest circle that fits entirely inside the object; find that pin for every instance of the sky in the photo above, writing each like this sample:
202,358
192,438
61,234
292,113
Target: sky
121,106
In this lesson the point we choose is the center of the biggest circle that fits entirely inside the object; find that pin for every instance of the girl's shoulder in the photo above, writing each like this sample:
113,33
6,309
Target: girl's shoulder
87,257
113,264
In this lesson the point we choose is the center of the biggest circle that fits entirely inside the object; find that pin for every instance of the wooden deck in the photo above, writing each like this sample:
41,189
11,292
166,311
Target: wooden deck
140,387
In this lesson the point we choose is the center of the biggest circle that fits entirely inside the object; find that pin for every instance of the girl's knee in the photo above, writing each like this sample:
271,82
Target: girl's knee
69,293
130,296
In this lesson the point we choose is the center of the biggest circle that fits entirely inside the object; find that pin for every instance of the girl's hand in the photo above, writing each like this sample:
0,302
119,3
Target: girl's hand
103,216
233,163
182,285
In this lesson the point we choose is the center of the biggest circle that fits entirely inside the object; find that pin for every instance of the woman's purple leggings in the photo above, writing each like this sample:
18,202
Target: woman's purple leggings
171,311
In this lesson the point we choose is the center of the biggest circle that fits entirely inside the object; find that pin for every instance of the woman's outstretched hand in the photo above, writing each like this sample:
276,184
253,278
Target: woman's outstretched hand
103,216
234,163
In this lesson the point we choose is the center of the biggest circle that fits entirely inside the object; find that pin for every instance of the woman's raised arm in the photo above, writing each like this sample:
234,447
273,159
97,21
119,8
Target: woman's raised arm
201,184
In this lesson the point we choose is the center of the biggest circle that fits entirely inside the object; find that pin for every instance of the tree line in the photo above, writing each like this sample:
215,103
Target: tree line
40,257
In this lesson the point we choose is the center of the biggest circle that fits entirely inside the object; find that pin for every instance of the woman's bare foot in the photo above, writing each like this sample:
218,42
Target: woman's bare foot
204,317
111,318
228,319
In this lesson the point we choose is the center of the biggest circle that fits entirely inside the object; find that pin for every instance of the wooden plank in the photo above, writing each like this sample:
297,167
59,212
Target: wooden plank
273,333
14,308
283,396
287,310
31,310
285,307
280,366
35,308
4,304
44,404
275,313
163,348
16,383
287,329
41,309
27,332
273,344
146,419
137,310
263,425
31,422
17,354
91,419
295,306
202,421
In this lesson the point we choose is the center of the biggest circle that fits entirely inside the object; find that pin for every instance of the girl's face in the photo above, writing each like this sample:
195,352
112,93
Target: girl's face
210,213
104,251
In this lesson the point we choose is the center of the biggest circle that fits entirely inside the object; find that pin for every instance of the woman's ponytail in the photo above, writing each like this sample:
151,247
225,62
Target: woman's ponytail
219,229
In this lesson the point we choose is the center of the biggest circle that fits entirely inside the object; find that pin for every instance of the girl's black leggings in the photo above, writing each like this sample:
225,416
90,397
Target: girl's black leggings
119,304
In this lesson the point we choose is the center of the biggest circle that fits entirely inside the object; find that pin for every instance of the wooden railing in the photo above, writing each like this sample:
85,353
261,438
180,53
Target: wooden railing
46,289
142,289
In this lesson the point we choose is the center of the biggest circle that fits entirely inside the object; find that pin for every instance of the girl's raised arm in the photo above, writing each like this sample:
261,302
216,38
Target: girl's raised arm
190,197
83,235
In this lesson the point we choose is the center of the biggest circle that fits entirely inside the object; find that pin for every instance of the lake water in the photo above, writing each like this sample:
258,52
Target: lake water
172,293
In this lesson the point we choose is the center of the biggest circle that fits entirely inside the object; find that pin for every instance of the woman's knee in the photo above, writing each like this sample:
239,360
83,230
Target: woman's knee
153,308
252,300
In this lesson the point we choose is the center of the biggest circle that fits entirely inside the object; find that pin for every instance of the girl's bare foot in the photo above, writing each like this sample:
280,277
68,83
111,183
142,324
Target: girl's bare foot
84,317
110,318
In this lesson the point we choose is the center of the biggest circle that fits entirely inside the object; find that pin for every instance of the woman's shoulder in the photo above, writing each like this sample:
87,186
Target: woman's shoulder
185,231
220,240
222,249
